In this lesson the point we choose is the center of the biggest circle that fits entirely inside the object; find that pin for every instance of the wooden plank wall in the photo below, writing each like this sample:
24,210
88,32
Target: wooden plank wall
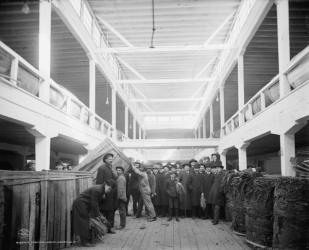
36,207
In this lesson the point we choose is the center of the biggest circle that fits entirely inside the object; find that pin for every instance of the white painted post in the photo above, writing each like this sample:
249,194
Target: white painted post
114,108
283,43
242,156
263,102
14,71
42,153
134,129
241,87
92,85
222,115
223,158
204,126
126,121
92,92
211,117
44,47
140,132
199,131
287,150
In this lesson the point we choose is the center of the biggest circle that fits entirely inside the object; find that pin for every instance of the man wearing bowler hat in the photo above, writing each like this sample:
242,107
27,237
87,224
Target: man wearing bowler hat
106,174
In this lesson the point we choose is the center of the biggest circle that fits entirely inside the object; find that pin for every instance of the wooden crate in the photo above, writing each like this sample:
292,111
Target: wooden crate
37,208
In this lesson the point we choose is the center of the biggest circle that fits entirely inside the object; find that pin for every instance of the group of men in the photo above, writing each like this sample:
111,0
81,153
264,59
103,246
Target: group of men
188,190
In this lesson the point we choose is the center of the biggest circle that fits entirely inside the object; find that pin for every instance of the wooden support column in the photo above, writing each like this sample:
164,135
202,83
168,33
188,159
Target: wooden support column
241,87
242,156
287,150
126,121
283,44
92,85
211,118
204,126
199,131
223,158
114,108
134,129
140,132
222,115
42,153
44,47
92,91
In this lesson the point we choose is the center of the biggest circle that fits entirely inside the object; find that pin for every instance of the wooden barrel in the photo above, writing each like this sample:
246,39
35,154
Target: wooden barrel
291,213
259,212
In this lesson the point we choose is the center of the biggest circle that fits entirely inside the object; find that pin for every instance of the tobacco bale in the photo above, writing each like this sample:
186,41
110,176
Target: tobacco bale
228,191
1,213
291,213
241,186
259,211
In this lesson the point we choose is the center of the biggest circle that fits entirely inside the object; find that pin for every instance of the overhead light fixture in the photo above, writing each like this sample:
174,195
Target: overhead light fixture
25,9
153,26
107,101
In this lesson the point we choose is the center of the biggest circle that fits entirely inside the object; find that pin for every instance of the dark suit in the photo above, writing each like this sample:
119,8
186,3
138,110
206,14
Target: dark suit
132,189
216,195
86,206
109,205
195,190
208,179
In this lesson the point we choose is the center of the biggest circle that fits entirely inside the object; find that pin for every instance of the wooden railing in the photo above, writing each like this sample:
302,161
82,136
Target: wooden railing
297,74
16,71
37,208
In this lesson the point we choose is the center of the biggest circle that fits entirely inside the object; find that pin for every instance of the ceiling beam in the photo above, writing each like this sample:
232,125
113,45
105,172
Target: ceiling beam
113,30
210,62
123,50
218,29
167,100
175,113
168,81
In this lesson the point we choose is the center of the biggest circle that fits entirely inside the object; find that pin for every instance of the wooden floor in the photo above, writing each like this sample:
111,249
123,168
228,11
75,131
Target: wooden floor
188,234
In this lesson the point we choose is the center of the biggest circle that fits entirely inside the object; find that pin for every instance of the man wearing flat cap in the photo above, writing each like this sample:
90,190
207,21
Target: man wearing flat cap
106,174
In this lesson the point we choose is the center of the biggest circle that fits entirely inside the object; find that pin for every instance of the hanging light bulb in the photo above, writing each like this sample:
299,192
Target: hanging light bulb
107,101
25,9
217,98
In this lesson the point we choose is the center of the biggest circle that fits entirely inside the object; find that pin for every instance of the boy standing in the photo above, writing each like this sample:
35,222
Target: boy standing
122,196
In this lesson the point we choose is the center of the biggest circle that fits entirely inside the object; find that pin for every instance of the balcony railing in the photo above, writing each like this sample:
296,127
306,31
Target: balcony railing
297,74
16,71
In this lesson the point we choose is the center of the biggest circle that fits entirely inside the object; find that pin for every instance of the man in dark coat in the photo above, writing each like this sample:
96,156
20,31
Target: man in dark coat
162,192
173,199
107,174
216,195
194,186
86,206
132,190
207,181
215,160
185,207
